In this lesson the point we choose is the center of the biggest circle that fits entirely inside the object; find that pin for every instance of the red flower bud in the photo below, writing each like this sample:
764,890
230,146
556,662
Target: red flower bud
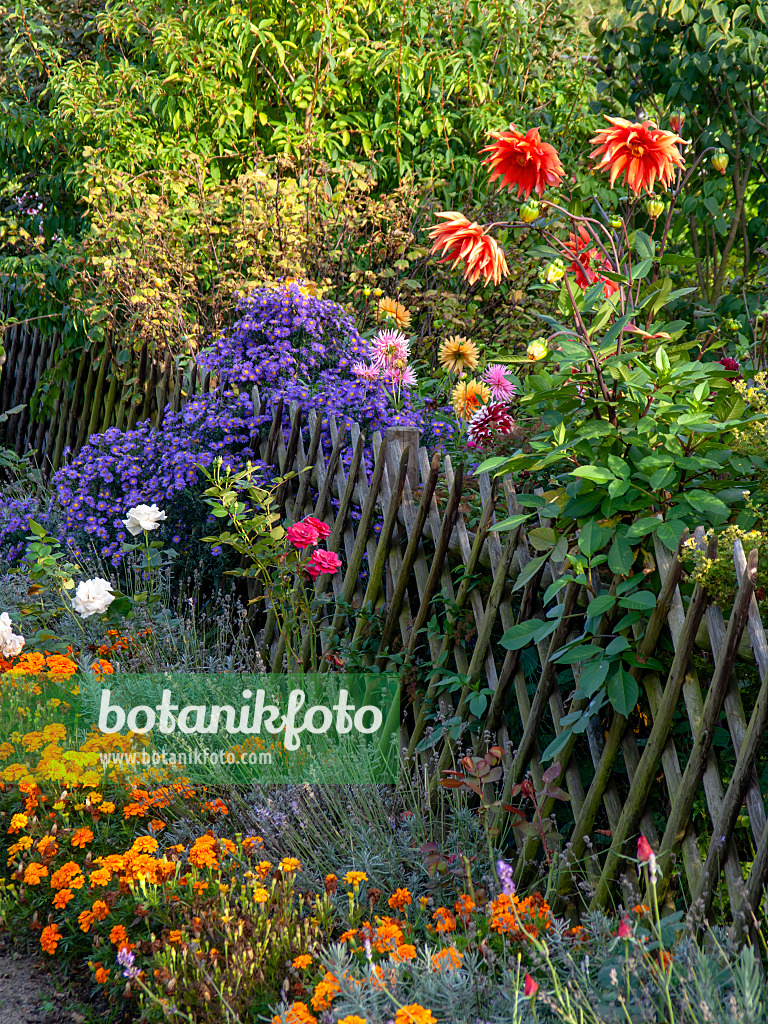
625,929
644,851
531,987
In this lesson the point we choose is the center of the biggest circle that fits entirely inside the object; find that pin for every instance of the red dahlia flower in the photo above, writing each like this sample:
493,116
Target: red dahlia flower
641,152
460,239
588,261
489,420
523,161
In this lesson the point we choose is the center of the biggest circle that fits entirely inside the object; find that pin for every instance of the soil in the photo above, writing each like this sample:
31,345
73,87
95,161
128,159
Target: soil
29,993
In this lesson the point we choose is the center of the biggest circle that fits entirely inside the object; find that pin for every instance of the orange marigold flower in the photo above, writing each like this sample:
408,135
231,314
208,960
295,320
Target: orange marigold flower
446,922
100,910
447,958
464,906
640,151
641,908
34,873
144,844
118,936
81,836
414,1014
523,161
297,1013
251,843
101,975
65,877
400,898
49,938
459,239
85,919
156,824
325,992
346,936
174,937
352,1019
101,876
300,962
203,853
331,884
403,953
62,898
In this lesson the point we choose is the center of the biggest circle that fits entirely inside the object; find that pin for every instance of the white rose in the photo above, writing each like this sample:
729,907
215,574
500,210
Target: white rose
143,517
10,643
93,597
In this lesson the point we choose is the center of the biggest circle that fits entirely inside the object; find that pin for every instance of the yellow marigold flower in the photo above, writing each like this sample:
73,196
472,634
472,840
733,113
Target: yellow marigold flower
259,895
354,878
414,1014
458,354
300,962
467,397
352,1019
288,864
18,821
395,310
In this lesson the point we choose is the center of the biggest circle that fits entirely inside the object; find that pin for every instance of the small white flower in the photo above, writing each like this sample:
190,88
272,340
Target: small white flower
10,643
92,597
143,517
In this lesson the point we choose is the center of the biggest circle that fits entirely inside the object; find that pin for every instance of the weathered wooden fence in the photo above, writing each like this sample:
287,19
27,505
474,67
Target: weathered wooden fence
100,392
427,535
415,528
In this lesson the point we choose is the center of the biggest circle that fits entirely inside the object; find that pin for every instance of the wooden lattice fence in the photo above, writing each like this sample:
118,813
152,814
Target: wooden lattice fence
427,533
415,526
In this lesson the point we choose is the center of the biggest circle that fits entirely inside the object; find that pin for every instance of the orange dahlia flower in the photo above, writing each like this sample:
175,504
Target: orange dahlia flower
523,160
588,261
460,239
641,152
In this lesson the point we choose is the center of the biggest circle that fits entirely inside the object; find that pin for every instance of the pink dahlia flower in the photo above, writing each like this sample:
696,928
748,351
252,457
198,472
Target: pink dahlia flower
365,371
390,347
502,388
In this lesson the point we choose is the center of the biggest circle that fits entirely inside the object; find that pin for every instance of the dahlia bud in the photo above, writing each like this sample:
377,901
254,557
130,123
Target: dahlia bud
676,122
536,350
654,207
720,161
554,272
615,223
529,211
729,324
366,291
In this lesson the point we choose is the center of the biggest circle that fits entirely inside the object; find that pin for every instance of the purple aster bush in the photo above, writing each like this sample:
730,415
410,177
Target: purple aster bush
302,348
119,469
15,516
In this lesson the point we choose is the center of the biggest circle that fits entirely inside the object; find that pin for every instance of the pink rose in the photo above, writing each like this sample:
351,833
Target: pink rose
326,562
302,535
322,529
